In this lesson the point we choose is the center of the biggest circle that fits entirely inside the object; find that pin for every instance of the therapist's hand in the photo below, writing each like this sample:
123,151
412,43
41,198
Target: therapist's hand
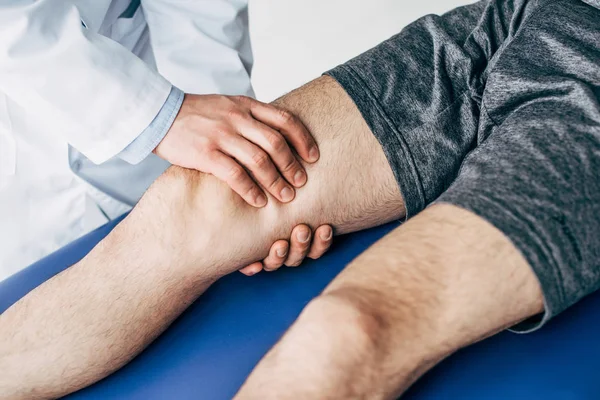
246,143
243,142
303,243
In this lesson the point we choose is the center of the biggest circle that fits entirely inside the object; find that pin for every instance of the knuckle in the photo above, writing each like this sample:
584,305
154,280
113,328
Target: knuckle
277,142
251,191
240,99
274,183
236,173
260,159
286,117
290,165
235,113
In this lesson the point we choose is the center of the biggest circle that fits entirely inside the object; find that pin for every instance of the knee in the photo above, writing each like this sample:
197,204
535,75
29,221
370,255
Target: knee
199,196
347,320
217,205
205,214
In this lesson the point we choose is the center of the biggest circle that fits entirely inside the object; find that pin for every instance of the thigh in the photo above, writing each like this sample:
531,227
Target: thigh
536,176
398,120
420,91
352,186
389,146
443,280
447,277
395,123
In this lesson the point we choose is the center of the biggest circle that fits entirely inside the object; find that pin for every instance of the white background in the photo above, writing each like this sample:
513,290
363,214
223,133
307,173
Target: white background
295,41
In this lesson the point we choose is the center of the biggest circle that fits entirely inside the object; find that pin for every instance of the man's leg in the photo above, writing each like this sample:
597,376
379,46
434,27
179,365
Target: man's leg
521,216
418,93
187,231
441,281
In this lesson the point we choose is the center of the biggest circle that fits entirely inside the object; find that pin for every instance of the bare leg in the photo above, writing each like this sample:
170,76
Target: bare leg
442,281
188,230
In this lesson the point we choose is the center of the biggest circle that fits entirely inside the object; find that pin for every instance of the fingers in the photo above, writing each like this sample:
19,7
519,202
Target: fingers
277,255
275,144
299,245
322,240
282,252
226,169
290,127
260,164
252,269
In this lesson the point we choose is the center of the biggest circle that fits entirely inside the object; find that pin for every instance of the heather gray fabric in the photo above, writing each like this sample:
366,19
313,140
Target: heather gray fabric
494,107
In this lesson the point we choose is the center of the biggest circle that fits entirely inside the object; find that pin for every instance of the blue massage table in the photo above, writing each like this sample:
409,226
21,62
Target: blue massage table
208,352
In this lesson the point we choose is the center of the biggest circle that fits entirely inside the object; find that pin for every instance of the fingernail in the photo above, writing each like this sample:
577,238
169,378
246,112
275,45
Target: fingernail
326,235
313,154
287,194
300,178
281,252
303,236
261,200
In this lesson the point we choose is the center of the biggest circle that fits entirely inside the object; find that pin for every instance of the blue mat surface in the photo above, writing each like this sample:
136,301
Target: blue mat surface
208,352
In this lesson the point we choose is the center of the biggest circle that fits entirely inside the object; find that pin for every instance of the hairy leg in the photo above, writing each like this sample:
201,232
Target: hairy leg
448,278
351,187
443,280
187,231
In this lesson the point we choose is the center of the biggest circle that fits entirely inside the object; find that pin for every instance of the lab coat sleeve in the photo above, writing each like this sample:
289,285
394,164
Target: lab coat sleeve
202,46
100,95
144,144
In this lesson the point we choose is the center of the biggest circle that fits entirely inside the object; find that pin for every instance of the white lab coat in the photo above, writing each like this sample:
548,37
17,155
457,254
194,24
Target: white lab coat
79,82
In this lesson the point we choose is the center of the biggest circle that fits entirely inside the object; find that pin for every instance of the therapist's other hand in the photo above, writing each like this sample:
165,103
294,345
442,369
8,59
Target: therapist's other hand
229,136
303,243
